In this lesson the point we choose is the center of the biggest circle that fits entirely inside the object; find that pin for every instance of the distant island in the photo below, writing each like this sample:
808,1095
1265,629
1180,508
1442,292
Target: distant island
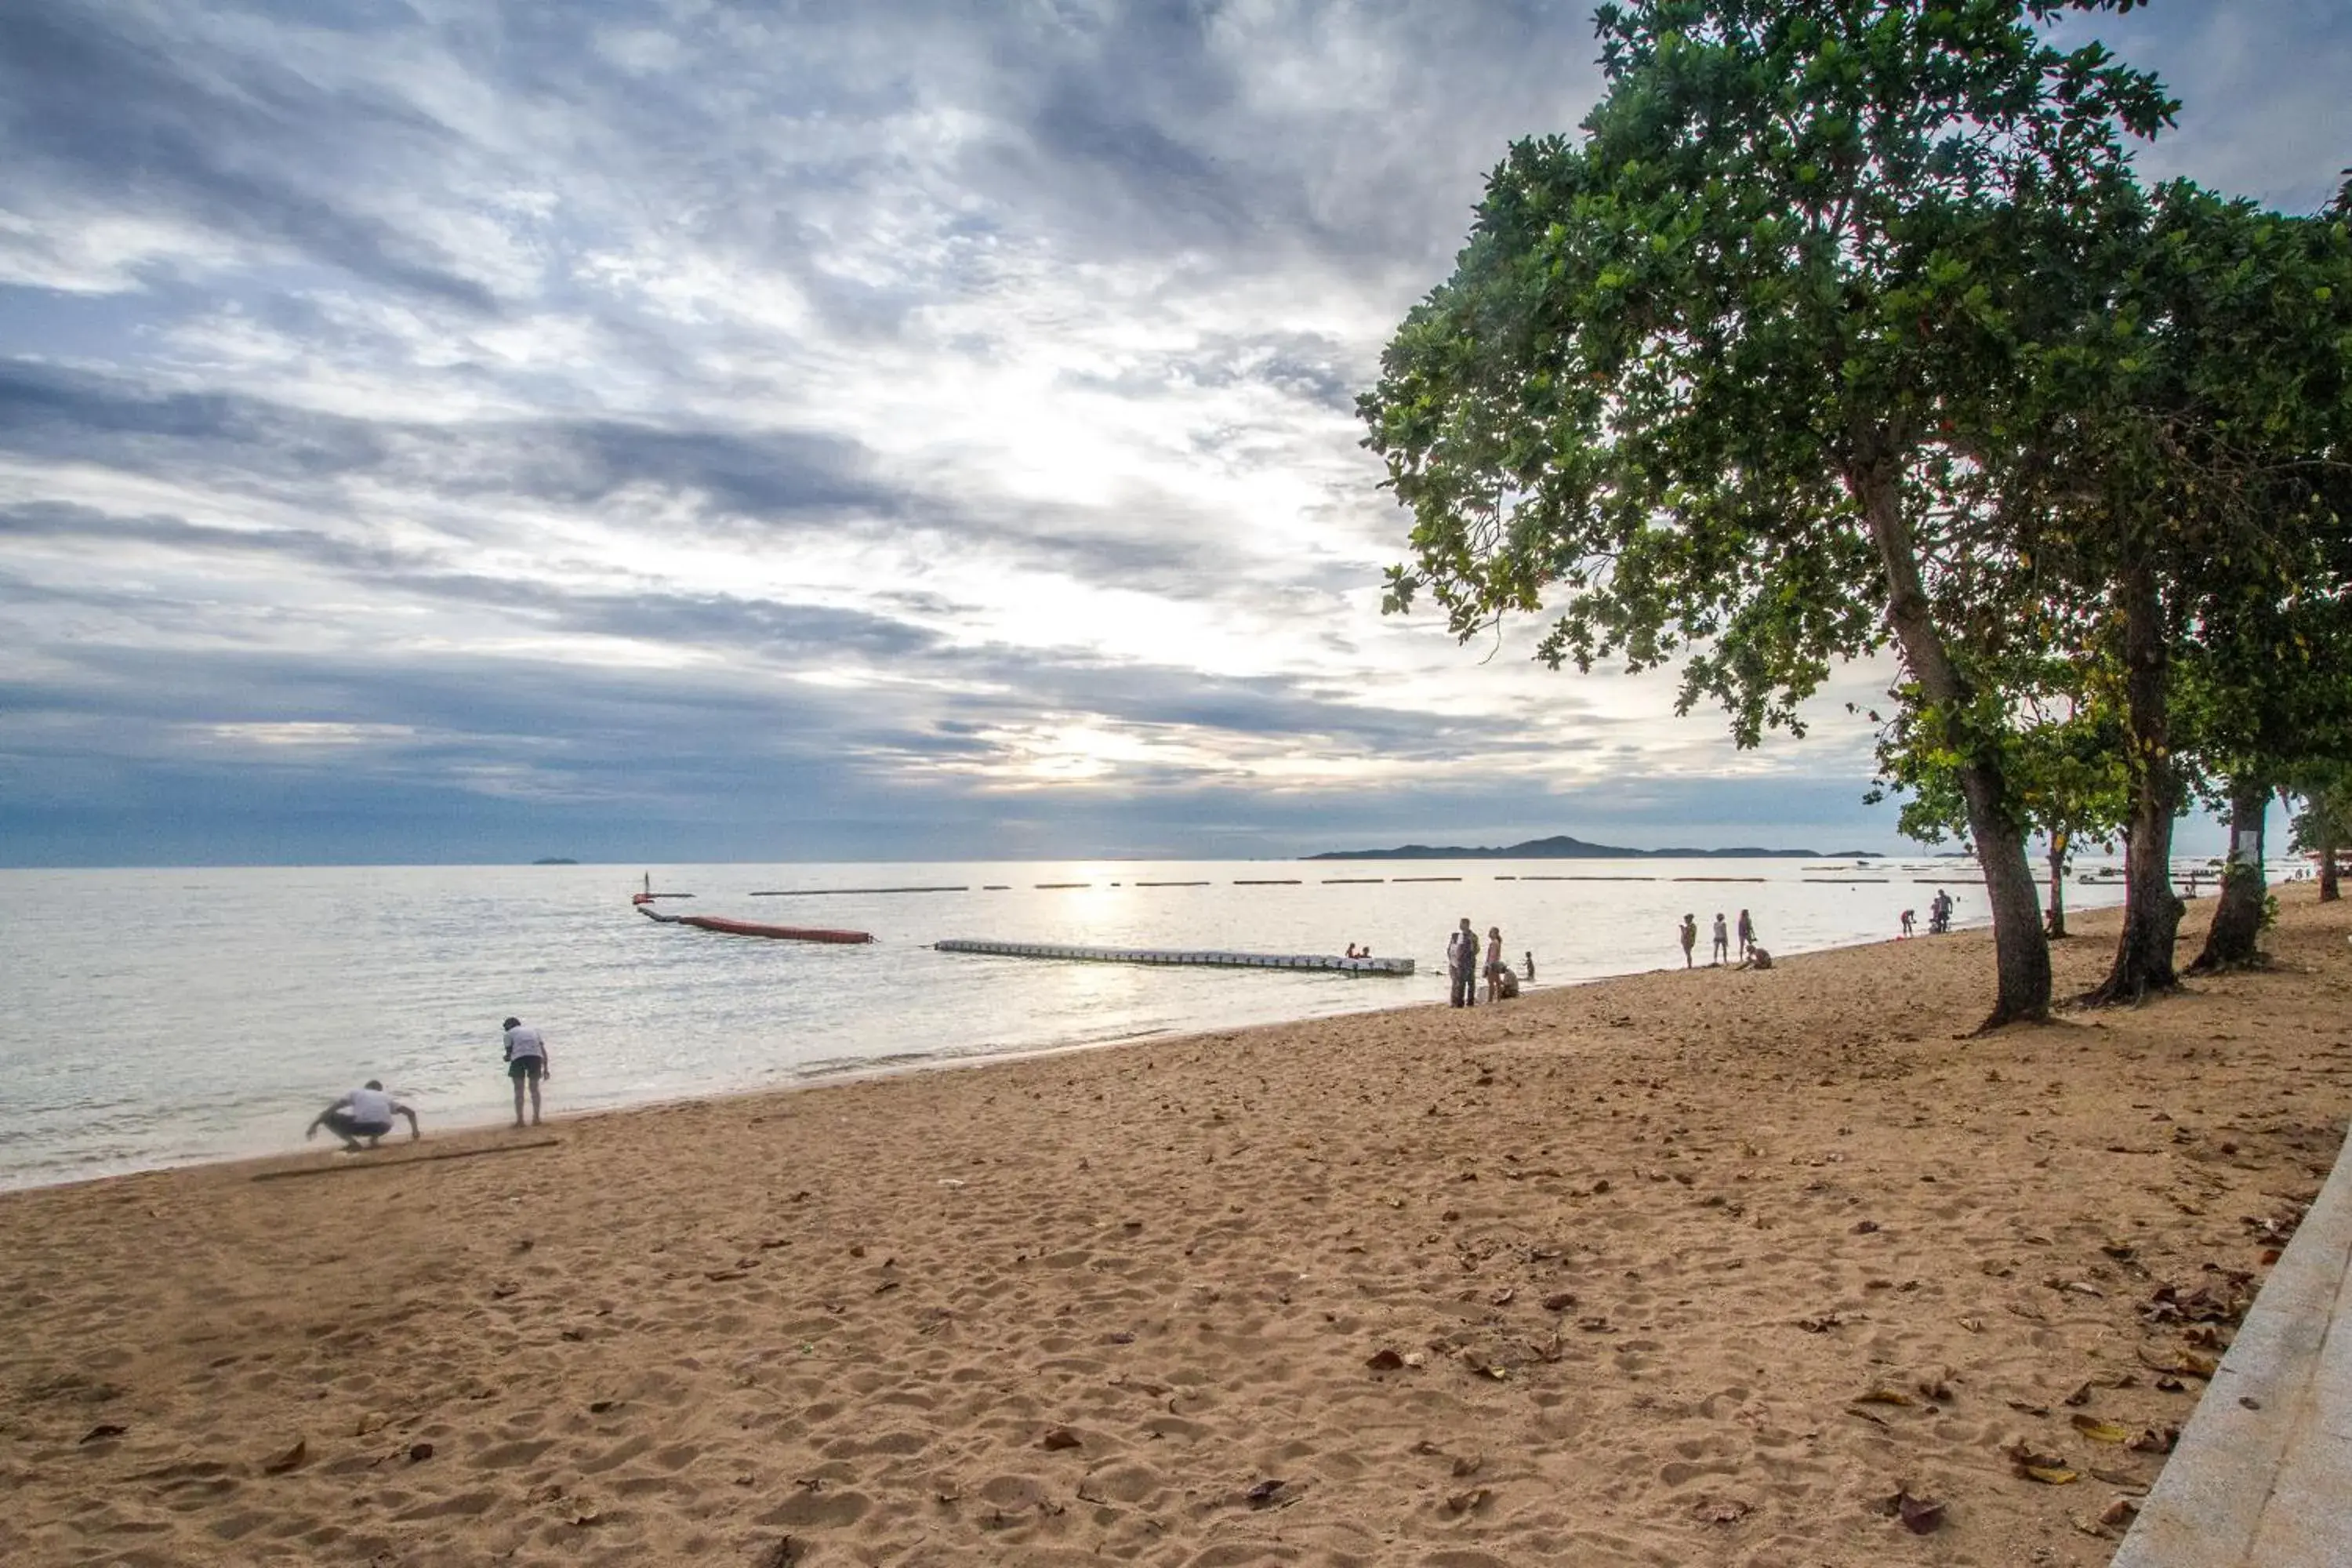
555,861
1560,846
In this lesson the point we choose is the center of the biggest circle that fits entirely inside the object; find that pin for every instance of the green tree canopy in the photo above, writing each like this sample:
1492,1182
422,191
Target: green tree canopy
2063,757
2180,495
1714,386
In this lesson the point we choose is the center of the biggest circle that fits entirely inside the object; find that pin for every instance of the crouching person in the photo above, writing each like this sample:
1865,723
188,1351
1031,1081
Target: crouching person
363,1113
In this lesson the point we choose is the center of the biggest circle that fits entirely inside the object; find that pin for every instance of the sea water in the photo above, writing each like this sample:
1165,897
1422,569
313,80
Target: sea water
156,1017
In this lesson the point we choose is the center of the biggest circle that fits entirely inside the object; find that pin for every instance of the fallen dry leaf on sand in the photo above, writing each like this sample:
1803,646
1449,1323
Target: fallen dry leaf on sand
1920,1515
2182,1364
2099,1431
2047,1469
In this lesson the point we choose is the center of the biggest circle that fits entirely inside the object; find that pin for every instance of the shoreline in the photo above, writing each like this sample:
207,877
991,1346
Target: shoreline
1615,1274
900,1066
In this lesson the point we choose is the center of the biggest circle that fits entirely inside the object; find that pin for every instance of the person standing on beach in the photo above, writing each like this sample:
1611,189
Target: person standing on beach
1722,941
1495,965
1907,922
1746,936
363,1113
1690,937
527,1063
1462,965
1530,961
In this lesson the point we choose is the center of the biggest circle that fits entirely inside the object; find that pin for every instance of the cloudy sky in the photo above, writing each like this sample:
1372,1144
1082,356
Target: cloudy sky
439,430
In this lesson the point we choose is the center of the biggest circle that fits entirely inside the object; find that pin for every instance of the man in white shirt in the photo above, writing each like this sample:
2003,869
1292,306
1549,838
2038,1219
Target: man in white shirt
527,1063
363,1113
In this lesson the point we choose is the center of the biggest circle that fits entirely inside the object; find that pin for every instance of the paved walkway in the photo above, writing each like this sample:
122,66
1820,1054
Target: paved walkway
2263,1475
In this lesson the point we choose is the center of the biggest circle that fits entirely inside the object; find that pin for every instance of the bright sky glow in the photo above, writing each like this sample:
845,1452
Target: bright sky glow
664,430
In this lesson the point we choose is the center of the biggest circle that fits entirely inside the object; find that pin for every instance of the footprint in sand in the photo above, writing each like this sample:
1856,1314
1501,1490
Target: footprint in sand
825,1508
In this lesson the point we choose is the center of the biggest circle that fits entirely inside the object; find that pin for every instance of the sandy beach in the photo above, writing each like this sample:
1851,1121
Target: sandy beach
1676,1268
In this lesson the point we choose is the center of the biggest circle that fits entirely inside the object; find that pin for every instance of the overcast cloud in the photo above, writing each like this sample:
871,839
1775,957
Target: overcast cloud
435,430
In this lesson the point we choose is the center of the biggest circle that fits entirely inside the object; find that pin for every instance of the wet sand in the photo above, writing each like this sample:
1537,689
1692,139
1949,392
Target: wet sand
1676,1268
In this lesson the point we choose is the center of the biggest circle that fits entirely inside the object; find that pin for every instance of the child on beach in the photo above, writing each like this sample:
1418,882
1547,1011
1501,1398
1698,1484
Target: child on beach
1908,919
1746,936
1496,967
1690,937
1722,941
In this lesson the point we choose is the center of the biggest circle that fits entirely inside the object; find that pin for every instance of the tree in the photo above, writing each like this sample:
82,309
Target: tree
2187,480
2266,698
2324,826
1708,384
2063,761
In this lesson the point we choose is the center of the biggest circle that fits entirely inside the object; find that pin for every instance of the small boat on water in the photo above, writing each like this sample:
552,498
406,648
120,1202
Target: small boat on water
643,904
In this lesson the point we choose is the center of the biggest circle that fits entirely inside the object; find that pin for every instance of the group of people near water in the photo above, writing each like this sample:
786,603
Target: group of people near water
1464,967
1939,916
1752,954
367,1111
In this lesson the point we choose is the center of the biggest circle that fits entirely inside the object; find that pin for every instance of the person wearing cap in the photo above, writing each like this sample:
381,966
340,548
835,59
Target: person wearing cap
363,1113
527,1063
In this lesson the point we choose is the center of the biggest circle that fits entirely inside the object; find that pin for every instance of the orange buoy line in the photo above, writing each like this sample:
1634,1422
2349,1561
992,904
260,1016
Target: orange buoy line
644,905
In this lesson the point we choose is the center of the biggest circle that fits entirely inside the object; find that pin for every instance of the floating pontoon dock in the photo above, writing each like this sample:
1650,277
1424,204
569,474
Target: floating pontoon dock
1182,955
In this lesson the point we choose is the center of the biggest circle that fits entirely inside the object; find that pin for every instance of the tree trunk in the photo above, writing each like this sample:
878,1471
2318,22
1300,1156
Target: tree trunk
2230,942
2056,925
2151,910
2020,951
2328,893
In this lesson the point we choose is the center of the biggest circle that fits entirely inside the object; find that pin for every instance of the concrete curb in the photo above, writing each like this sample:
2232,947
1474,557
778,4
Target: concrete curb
2262,1475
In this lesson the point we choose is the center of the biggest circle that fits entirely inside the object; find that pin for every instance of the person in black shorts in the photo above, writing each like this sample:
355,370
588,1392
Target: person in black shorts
527,1063
363,1113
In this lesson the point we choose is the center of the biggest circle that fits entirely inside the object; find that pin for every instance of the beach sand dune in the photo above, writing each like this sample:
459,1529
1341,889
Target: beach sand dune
1695,1268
